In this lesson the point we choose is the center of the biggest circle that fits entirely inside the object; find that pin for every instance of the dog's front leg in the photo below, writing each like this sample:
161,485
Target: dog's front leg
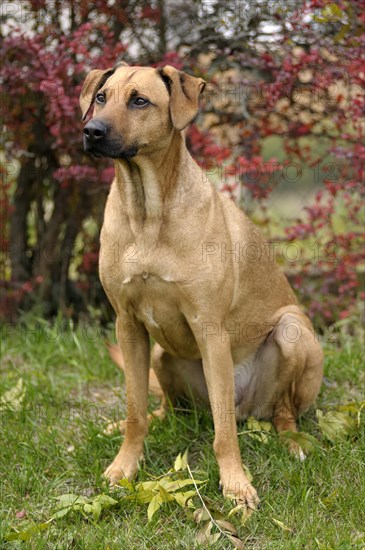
219,374
134,342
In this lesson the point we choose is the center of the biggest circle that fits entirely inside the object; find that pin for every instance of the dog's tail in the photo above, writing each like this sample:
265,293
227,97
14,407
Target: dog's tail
117,357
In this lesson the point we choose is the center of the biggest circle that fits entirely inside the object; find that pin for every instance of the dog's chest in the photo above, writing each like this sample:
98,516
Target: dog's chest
148,291
153,300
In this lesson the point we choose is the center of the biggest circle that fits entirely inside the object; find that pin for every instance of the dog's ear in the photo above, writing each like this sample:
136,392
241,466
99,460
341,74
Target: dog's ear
93,82
184,91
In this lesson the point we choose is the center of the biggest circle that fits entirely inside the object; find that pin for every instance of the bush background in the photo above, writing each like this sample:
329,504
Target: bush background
280,130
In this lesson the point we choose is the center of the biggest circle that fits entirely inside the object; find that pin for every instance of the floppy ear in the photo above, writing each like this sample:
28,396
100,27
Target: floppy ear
93,82
184,91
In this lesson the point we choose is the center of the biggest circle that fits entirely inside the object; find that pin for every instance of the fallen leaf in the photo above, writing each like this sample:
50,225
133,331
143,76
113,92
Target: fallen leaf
226,526
181,461
200,515
12,399
153,506
237,543
258,429
175,485
281,525
336,425
184,499
306,441
204,535
28,533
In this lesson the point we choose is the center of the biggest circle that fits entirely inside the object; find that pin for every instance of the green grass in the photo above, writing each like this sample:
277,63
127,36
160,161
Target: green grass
54,445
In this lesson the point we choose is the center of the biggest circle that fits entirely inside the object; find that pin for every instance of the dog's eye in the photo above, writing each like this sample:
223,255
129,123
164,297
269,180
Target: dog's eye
139,102
100,98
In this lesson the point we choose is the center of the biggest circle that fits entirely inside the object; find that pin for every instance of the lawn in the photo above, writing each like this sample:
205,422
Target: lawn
53,443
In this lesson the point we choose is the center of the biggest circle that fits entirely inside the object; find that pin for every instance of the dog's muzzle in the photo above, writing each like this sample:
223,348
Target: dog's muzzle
99,141
94,135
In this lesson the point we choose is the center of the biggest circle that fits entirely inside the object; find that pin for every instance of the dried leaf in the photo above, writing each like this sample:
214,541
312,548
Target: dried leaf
237,543
281,525
226,526
354,408
216,514
204,535
306,441
336,425
201,515
12,399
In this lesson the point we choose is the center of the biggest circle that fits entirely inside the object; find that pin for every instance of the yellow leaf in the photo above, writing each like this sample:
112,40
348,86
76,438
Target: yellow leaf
144,497
236,510
165,496
184,460
12,399
184,499
281,525
258,429
174,485
181,461
146,485
306,441
336,425
126,484
178,463
153,506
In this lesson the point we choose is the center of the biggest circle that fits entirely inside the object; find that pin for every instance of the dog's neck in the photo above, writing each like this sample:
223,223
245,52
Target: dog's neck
150,184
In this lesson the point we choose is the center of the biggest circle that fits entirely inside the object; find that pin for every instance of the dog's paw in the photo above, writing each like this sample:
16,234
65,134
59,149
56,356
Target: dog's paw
297,451
240,490
117,471
113,474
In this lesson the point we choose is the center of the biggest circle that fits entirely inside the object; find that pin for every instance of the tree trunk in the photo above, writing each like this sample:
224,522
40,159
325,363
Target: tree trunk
20,262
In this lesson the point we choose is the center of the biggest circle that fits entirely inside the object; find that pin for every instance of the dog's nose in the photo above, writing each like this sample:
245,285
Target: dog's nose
94,131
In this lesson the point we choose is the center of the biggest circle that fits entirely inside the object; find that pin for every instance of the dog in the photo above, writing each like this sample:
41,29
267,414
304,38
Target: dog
182,263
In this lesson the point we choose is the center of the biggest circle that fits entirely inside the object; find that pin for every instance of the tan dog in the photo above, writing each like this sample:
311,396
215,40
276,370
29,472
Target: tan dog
182,263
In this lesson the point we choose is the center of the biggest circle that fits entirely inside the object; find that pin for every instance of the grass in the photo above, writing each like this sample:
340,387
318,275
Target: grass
54,445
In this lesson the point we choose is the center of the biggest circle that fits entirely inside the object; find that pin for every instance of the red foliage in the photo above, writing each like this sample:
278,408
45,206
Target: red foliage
43,73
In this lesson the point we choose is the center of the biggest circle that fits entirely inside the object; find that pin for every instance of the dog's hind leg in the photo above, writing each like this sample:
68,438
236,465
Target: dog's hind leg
287,374
178,377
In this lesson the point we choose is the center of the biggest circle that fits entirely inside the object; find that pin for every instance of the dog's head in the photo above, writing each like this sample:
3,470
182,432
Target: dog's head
136,108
